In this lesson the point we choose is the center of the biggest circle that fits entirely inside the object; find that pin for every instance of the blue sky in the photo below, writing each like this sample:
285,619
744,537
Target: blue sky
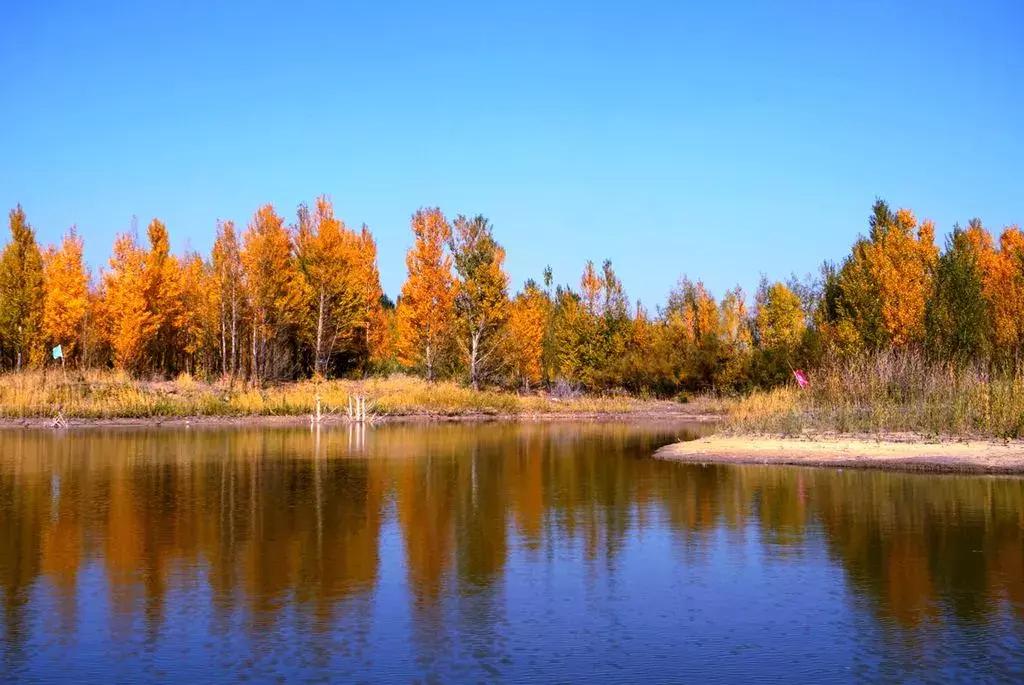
718,140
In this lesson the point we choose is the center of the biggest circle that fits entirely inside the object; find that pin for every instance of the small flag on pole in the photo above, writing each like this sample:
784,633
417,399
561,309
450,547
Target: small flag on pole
58,352
801,378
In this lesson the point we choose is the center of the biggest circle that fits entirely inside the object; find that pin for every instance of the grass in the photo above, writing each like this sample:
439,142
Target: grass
890,392
95,394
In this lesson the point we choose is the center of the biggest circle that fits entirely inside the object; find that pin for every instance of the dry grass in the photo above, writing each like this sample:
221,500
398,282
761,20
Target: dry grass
891,392
108,395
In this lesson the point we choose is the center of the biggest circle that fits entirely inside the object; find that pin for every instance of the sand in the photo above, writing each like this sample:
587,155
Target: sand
893,451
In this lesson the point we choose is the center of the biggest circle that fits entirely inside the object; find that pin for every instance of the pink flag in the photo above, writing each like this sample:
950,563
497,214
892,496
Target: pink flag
801,378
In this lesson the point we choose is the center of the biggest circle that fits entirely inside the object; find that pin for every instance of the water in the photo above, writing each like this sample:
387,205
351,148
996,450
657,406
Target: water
535,552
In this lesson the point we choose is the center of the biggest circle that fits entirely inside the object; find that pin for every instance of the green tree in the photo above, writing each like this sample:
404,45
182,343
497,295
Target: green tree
957,317
22,294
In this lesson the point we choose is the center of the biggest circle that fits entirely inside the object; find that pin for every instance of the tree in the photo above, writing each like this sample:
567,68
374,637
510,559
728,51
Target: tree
957,317
163,292
125,315
66,303
779,318
647,364
692,318
275,291
426,310
736,341
373,300
198,321
1003,284
527,324
780,325
326,252
22,293
481,292
227,270
902,258
345,324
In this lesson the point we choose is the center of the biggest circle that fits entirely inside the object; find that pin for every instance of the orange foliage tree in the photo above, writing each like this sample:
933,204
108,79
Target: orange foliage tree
276,293
344,320
426,311
527,324
67,304
126,319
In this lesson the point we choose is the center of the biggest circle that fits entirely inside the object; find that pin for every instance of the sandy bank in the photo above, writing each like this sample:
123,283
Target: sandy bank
897,452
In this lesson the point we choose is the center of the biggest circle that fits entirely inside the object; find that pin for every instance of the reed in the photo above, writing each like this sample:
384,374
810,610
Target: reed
891,392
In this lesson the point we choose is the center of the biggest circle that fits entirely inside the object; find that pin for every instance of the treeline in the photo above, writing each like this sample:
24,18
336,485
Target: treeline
286,300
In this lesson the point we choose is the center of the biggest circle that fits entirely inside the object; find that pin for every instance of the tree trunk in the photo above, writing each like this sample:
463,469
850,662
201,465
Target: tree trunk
474,347
255,361
319,335
234,333
223,339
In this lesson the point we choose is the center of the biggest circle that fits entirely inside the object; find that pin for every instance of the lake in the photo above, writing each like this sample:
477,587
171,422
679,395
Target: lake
482,552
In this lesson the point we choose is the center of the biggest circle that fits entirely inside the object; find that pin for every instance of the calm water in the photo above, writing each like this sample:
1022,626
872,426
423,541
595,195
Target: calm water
488,553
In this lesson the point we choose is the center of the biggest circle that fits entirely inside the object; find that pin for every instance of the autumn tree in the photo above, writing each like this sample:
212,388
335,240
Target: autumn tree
163,293
779,324
1003,284
648,364
426,311
902,256
228,281
591,328
66,306
126,318
344,319
325,252
377,335
276,294
692,318
527,323
21,294
735,341
198,317
481,293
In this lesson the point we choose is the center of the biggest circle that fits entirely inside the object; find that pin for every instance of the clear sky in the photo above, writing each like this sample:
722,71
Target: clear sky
719,140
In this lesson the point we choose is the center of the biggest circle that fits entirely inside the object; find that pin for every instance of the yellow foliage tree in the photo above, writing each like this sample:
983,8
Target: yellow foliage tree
164,296
780,319
527,324
339,265
66,305
426,306
126,319
198,318
902,257
1003,284
276,293
481,293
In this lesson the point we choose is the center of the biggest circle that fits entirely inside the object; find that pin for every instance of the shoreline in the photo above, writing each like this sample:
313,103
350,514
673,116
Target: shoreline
893,451
297,420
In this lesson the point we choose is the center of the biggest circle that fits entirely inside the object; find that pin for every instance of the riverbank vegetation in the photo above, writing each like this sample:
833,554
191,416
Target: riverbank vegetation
891,392
900,334
106,394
